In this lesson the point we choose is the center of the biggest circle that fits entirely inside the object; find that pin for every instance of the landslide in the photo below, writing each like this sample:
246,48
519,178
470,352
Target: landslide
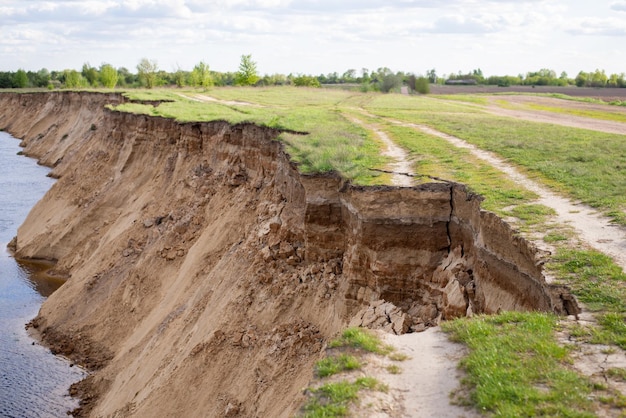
206,274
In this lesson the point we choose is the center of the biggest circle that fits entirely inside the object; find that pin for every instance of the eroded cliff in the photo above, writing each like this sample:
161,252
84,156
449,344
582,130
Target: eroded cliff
205,274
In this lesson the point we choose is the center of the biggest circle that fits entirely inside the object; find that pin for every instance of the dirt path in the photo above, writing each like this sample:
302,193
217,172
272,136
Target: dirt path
560,119
428,376
401,165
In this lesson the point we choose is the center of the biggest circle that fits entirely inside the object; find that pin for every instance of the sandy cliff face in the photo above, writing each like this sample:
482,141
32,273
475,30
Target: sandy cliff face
205,274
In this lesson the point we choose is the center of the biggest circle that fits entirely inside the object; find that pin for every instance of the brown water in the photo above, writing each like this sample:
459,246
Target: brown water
33,382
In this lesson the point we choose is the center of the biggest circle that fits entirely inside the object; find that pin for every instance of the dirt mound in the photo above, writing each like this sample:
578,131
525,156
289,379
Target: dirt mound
207,274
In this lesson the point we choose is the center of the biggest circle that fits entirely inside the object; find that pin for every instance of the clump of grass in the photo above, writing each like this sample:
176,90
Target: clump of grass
361,338
337,364
553,237
532,214
398,356
517,368
617,373
394,369
333,399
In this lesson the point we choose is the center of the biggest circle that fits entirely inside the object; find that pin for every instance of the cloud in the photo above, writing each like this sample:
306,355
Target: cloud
620,6
598,27
469,25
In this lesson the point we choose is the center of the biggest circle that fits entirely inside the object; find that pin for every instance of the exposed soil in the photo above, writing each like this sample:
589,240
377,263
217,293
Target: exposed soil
559,118
605,94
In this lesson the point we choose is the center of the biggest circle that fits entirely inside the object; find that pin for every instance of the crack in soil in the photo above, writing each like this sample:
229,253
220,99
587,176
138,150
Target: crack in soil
595,230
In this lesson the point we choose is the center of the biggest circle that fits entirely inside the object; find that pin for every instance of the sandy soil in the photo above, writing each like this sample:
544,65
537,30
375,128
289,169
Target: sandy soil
558,118
429,375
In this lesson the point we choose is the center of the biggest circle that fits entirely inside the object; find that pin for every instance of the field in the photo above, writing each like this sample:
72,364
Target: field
522,153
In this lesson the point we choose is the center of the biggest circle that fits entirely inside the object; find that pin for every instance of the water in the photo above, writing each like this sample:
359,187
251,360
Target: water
33,382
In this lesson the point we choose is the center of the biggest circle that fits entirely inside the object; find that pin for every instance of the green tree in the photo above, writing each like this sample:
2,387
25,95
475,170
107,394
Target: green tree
108,76
390,82
422,85
73,79
201,76
599,78
582,79
20,79
306,81
432,75
147,72
180,78
90,74
247,74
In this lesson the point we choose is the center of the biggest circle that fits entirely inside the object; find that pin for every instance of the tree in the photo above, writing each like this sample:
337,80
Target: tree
20,79
389,82
306,81
422,85
108,76
90,74
73,79
201,76
180,77
247,74
147,72
432,75
349,76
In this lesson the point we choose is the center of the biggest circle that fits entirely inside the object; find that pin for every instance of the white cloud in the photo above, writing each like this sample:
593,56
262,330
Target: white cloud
620,6
598,27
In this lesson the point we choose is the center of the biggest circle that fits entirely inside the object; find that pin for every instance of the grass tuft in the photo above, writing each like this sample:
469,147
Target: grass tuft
361,338
337,364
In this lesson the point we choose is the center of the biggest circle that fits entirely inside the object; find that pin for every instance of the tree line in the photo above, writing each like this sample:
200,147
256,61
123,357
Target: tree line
149,75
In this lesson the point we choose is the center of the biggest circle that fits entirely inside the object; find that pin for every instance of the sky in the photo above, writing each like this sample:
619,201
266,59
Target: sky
501,37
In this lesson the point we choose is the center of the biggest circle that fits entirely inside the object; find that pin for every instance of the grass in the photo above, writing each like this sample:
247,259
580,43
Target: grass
361,338
516,368
333,399
587,113
587,165
601,285
337,364
435,157
331,141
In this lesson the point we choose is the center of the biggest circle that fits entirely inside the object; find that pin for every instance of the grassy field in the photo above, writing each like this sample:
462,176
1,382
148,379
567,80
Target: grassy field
516,367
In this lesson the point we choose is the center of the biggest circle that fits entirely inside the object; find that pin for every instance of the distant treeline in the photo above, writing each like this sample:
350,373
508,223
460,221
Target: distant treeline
382,79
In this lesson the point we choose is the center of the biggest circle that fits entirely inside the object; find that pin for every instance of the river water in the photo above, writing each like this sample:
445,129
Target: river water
33,382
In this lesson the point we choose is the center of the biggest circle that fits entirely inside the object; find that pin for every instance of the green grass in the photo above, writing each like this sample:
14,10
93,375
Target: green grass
435,157
361,338
587,165
466,98
331,141
517,369
601,285
337,364
334,399
587,113
598,282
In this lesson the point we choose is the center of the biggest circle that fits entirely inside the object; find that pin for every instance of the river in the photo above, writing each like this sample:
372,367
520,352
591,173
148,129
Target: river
33,382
